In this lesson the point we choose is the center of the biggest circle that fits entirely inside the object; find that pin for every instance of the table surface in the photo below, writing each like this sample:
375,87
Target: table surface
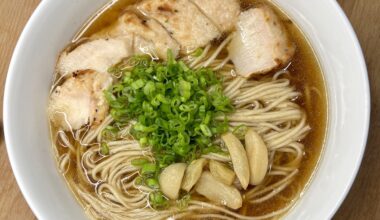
363,201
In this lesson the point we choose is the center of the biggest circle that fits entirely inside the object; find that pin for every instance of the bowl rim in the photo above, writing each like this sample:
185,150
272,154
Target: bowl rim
337,201
367,101
35,16
6,120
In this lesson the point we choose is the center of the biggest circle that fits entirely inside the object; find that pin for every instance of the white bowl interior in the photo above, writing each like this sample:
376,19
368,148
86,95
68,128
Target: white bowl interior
340,55
54,24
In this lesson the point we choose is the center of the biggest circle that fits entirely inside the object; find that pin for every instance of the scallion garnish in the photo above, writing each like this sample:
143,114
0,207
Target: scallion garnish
174,107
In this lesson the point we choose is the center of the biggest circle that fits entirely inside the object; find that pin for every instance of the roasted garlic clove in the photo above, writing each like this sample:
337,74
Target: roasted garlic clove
171,179
257,153
238,157
221,172
192,174
218,192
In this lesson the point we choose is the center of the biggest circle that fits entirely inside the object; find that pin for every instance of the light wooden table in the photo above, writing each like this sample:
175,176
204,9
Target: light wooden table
363,201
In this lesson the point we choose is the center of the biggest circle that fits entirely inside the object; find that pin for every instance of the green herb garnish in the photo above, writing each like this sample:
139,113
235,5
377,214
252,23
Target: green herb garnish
104,149
197,52
157,200
174,107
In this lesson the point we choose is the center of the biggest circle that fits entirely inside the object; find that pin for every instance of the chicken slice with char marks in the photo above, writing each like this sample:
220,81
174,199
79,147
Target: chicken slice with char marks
224,13
98,55
184,21
151,37
80,100
261,43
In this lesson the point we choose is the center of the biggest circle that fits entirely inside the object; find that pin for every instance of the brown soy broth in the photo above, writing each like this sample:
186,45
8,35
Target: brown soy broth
305,74
71,175
105,17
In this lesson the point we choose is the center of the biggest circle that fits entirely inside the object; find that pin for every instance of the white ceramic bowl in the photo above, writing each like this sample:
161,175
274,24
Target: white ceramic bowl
54,23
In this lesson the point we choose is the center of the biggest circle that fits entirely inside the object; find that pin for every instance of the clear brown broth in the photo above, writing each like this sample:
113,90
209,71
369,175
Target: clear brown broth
305,73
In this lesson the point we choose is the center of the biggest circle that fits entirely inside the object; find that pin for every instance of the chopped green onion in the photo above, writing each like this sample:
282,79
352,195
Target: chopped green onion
157,200
143,141
174,107
205,130
197,52
183,202
139,180
212,149
104,149
184,90
137,84
240,131
139,162
152,183
148,168
149,88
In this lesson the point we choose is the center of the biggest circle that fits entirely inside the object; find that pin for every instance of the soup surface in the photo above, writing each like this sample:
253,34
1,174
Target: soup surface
103,160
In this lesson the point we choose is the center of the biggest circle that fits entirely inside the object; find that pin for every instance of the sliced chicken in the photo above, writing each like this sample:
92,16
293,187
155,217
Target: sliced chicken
223,13
98,55
261,43
79,100
184,21
155,38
